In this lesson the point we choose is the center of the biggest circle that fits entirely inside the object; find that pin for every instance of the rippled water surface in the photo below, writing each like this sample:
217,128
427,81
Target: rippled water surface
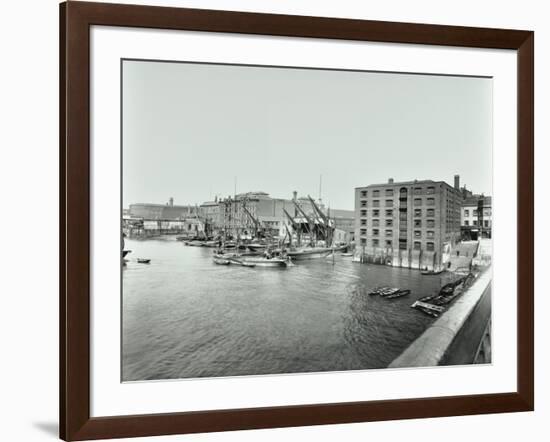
184,316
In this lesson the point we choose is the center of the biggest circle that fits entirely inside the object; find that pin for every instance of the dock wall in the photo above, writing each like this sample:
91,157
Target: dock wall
459,335
413,259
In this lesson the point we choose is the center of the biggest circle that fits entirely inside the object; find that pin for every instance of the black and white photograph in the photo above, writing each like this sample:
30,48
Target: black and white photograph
282,220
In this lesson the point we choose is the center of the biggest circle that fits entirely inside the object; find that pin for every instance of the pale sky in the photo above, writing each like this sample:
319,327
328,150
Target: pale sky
190,129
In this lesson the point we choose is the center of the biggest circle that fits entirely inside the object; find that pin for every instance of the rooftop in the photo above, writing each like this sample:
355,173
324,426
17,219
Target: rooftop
473,200
402,183
161,205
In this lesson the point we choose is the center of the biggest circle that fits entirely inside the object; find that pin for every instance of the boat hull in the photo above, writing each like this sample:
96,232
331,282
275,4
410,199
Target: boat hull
301,255
260,262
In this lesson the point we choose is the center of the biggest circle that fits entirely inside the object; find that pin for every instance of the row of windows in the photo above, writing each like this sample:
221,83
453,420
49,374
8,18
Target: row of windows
429,212
389,222
485,223
376,212
402,233
389,203
429,201
417,245
430,190
486,212
376,203
389,212
376,193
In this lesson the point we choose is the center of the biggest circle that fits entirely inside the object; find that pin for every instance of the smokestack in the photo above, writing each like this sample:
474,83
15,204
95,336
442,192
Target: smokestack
390,180
171,202
457,182
294,195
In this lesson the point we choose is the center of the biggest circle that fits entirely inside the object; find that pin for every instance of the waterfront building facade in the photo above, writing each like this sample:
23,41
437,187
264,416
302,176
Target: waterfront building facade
476,217
411,224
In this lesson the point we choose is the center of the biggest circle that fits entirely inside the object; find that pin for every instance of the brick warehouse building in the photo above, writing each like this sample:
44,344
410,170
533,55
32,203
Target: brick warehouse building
411,224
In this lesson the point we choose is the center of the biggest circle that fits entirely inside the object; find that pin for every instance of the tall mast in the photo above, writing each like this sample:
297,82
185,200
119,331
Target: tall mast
309,221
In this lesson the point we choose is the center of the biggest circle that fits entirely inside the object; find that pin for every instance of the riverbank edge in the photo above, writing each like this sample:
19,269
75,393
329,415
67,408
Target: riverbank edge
430,348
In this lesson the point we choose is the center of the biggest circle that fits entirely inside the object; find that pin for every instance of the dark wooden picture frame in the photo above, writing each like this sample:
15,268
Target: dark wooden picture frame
75,21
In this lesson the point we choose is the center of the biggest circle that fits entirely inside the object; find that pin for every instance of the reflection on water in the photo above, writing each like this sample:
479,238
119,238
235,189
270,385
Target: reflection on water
184,316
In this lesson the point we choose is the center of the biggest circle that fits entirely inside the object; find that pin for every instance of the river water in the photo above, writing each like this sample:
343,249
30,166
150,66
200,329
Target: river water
185,317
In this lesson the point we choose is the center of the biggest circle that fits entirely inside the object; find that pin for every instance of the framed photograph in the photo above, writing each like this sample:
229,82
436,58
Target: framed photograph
274,220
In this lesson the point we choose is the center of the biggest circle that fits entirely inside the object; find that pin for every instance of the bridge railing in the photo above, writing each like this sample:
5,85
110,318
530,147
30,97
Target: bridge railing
459,336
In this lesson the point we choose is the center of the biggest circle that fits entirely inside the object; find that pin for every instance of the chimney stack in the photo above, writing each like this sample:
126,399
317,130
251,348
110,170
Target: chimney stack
457,182
390,180
294,195
171,202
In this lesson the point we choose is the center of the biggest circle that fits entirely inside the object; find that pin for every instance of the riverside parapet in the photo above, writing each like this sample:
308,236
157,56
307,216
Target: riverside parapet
457,336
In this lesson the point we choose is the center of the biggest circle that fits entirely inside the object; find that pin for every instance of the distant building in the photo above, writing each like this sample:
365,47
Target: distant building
408,224
476,217
344,221
210,210
166,211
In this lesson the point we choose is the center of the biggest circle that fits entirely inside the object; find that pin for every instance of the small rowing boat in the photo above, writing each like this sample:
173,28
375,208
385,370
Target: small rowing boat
143,261
431,272
427,308
398,294
378,290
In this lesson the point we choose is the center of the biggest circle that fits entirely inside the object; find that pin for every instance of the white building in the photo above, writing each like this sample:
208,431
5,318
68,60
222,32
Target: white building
476,216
